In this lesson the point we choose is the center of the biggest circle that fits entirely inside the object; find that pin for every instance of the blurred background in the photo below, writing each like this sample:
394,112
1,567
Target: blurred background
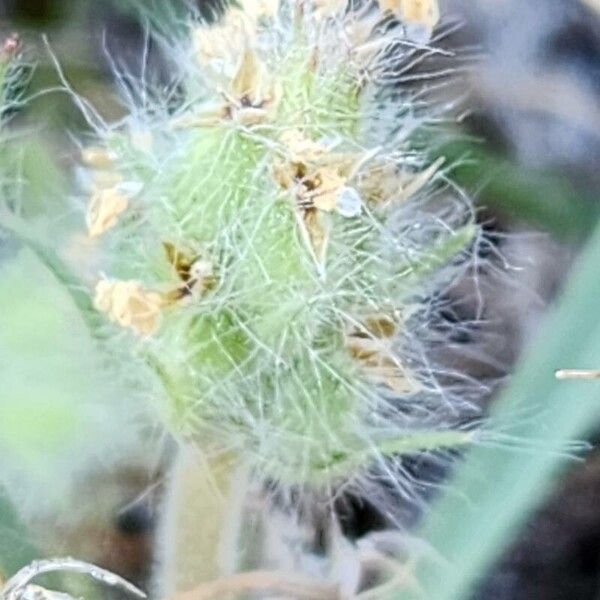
524,135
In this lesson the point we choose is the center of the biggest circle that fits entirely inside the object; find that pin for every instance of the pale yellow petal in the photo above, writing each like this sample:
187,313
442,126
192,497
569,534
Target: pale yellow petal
106,205
251,116
97,157
416,182
206,116
329,184
130,305
251,84
103,296
224,41
421,12
315,229
301,148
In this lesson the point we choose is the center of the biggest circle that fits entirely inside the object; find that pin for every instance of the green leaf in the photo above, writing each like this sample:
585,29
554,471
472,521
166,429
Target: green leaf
497,488
16,549
543,199
59,406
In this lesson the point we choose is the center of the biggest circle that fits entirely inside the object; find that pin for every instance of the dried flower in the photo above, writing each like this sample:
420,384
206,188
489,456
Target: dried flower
414,182
250,100
104,210
385,185
225,41
253,92
423,12
322,189
301,149
197,274
316,177
328,8
129,304
249,311
315,229
371,344
98,158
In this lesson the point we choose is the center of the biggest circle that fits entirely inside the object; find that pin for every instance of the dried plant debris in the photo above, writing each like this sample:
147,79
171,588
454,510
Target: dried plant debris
19,587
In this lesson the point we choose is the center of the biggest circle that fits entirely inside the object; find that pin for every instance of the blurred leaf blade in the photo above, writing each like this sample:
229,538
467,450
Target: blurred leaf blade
498,487
60,407
541,199
16,550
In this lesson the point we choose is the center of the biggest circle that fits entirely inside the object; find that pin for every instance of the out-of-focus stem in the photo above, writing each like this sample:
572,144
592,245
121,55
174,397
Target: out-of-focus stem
194,516
284,584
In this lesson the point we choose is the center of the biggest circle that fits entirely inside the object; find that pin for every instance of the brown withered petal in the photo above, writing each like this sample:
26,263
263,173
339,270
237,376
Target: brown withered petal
250,80
371,345
106,205
415,183
327,188
283,175
315,229
381,326
345,163
394,379
179,260
380,182
362,349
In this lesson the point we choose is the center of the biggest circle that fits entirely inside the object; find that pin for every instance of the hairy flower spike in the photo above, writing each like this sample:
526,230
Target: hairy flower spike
294,196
